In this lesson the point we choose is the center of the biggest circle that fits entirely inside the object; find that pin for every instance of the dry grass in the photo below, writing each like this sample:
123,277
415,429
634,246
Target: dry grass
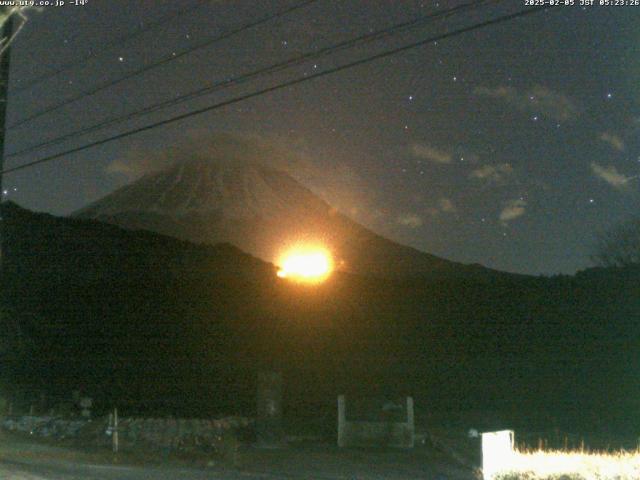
574,465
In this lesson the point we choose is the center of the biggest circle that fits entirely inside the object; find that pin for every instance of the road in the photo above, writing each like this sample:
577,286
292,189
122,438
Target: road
10,470
55,470
17,470
28,461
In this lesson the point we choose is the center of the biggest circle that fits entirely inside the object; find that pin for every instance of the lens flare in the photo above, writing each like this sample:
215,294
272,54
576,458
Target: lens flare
306,264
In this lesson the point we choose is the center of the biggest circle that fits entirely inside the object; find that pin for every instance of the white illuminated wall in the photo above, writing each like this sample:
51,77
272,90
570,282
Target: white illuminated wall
497,452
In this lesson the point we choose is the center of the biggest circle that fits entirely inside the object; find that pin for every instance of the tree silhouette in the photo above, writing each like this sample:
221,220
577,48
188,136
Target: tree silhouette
620,246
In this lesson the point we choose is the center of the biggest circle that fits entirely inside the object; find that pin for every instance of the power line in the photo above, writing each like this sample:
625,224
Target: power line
162,61
297,60
280,86
6,35
109,46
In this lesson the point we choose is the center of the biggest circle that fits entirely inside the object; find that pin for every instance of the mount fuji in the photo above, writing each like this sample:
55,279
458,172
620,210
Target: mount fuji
262,210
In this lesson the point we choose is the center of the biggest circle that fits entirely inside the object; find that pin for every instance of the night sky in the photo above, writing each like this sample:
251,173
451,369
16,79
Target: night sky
512,146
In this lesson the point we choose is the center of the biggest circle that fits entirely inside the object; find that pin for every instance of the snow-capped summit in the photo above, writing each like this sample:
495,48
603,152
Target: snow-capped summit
232,189
257,207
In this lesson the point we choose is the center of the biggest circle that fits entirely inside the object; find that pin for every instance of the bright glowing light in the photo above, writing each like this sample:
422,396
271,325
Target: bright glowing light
501,460
497,452
540,465
306,264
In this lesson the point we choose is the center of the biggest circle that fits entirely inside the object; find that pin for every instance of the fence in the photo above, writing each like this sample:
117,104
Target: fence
376,427
162,433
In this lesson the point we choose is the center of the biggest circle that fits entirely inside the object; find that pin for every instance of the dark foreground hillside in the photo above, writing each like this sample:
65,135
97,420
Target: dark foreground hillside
156,325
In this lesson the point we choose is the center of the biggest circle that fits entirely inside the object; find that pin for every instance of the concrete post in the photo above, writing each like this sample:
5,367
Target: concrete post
342,420
269,430
114,436
411,428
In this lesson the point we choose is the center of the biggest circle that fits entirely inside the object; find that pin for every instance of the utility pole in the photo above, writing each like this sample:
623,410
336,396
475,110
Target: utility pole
6,34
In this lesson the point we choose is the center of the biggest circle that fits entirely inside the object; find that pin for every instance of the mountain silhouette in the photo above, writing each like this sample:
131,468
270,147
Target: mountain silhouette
262,210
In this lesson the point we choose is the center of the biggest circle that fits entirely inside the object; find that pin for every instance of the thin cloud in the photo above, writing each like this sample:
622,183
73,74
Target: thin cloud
334,181
493,173
426,152
221,146
135,165
410,220
613,140
446,205
429,208
610,175
539,100
513,209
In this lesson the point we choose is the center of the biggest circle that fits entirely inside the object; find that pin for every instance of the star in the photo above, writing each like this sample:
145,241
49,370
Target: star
410,98
121,59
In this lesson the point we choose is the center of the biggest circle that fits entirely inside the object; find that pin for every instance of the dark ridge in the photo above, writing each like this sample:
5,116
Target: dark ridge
157,325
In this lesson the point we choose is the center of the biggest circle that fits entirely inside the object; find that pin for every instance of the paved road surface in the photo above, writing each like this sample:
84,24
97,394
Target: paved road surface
13,470
18,470
26,461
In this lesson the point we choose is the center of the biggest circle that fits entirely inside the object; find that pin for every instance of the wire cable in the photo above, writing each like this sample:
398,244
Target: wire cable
230,82
282,85
162,61
108,46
